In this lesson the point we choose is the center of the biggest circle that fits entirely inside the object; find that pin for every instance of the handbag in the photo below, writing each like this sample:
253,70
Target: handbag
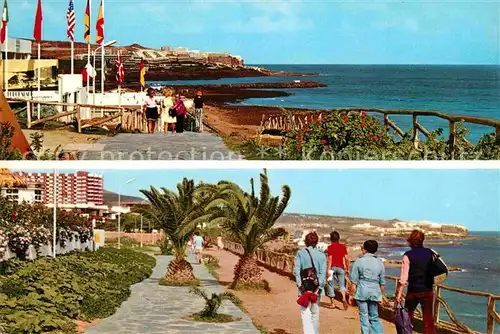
438,268
309,276
402,320
172,112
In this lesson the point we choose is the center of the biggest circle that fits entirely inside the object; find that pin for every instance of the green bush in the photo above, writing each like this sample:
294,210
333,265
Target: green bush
166,246
47,295
357,136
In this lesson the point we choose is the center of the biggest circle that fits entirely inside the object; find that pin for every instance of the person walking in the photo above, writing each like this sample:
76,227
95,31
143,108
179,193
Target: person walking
181,114
338,263
167,119
367,288
198,247
415,271
198,110
150,109
220,243
310,275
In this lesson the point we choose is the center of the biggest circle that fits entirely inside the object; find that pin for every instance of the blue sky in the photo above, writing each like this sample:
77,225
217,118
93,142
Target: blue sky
291,31
463,197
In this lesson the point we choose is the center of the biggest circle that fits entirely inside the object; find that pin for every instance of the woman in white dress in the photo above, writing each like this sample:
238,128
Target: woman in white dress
165,119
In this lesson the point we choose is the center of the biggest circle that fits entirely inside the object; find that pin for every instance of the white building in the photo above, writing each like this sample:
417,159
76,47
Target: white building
17,49
16,189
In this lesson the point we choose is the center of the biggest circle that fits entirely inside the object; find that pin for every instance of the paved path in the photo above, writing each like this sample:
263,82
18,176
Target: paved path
156,309
138,146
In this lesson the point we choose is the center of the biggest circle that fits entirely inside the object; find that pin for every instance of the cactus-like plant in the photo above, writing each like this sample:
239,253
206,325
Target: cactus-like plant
213,303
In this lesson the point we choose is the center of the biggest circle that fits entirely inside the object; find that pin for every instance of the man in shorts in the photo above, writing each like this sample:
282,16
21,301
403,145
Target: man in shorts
198,246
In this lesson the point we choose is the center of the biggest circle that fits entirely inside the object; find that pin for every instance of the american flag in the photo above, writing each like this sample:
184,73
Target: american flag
71,20
120,74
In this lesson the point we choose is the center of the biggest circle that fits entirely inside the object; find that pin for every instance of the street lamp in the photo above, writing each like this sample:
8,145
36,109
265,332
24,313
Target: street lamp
119,207
94,53
144,201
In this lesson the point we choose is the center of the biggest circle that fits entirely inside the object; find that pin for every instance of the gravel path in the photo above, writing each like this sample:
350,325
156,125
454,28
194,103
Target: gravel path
153,308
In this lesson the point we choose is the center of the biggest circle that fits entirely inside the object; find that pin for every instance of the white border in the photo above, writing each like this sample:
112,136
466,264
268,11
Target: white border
253,164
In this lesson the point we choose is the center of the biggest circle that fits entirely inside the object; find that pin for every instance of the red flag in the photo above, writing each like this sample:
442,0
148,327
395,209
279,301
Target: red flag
37,33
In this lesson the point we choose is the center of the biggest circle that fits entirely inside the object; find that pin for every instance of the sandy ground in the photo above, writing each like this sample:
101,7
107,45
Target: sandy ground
278,311
53,138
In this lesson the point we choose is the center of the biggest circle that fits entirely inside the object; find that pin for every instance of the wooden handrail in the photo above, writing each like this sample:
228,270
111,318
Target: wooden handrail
284,263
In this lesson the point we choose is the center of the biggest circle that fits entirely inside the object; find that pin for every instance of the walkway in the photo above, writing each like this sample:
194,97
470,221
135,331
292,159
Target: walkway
138,146
156,309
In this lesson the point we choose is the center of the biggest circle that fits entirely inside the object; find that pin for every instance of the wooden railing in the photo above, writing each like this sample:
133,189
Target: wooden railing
108,114
298,120
284,264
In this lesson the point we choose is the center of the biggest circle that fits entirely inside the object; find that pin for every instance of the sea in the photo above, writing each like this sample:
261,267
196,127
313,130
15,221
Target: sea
456,90
480,264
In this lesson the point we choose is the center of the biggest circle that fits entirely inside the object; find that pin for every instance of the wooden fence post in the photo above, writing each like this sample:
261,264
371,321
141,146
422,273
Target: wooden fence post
78,119
451,141
490,322
437,304
29,108
415,131
386,122
497,134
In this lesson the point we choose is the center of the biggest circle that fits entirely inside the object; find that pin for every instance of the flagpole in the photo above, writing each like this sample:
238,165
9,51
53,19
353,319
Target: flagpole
6,67
102,55
39,73
72,57
120,81
54,233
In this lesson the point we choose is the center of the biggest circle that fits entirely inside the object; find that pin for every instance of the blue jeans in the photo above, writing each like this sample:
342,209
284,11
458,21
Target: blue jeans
368,316
339,277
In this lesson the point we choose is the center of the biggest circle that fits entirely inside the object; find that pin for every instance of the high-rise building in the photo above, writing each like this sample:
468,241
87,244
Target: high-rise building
72,188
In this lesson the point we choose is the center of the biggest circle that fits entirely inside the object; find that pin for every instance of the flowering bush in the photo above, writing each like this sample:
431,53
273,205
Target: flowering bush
24,225
357,136
4,243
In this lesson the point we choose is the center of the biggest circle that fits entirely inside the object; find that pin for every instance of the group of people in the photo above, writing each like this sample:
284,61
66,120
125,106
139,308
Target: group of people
171,111
316,271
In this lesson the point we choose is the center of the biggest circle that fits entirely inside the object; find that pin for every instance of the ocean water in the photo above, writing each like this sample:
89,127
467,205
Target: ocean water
480,261
456,90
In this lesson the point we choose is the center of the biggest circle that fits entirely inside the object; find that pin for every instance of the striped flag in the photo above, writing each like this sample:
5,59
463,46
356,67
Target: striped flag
99,37
120,74
86,22
70,16
5,19
37,31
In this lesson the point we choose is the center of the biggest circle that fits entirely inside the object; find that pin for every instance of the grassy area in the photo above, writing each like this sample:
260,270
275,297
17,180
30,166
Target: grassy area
212,264
251,149
48,295
218,318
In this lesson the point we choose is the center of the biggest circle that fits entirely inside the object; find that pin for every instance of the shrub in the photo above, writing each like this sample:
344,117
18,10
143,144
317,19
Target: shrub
49,294
212,304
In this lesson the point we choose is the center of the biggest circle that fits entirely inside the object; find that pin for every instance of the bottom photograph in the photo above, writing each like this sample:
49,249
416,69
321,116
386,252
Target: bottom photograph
249,251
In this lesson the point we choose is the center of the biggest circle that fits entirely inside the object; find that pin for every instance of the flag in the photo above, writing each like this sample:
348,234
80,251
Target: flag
142,69
99,37
5,19
37,32
120,73
86,22
70,16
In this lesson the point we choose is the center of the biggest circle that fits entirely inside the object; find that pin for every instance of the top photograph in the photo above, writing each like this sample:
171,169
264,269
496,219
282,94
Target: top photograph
249,80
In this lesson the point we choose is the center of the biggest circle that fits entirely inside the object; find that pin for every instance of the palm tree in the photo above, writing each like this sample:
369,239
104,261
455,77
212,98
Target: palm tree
214,303
250,220
173,211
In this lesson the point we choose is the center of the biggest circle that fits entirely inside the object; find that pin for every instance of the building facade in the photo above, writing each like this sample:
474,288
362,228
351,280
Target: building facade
80,188
17,189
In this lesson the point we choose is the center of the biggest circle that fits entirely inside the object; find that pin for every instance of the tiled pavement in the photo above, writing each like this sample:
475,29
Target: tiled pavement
138,146
156,309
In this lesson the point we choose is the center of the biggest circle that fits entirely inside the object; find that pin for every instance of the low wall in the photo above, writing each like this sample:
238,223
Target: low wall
47,250
147,238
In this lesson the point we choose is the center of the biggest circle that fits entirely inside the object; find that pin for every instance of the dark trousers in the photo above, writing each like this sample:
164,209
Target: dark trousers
179,126
426,300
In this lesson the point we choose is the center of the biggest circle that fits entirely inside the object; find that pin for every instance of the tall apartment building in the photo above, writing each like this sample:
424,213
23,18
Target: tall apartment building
72,188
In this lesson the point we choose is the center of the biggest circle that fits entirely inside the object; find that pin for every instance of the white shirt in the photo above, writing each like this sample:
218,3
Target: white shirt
151,102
